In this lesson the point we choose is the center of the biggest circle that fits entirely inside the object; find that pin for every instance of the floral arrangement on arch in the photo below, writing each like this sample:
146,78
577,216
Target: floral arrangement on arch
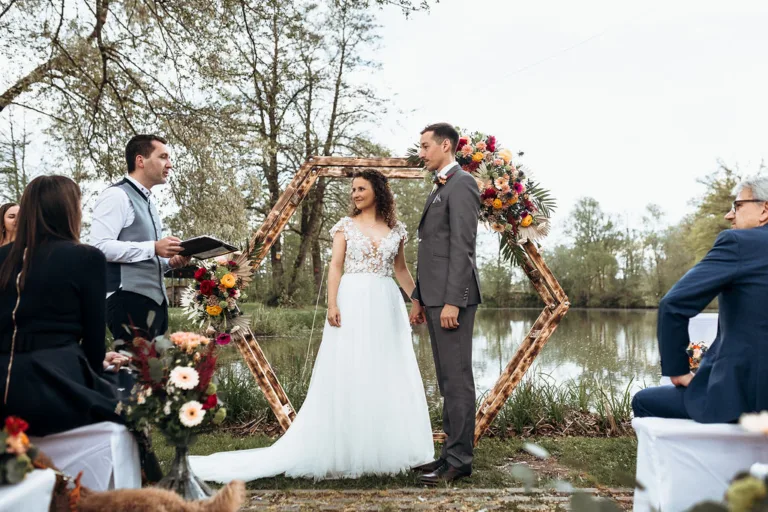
512,203
174,389
212,298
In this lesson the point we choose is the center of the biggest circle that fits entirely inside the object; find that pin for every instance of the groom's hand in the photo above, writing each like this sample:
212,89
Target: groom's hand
449,317
417,313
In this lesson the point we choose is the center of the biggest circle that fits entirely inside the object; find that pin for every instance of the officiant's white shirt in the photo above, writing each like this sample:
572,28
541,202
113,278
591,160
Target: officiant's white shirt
113,212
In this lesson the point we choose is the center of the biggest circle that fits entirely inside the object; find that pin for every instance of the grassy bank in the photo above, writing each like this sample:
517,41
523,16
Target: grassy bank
538,407
583,462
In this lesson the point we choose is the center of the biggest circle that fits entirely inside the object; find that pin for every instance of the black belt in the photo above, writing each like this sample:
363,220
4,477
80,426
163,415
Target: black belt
29,342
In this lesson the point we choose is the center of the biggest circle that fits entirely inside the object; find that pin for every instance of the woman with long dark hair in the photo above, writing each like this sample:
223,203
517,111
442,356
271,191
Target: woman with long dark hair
365,410
9,214
52,316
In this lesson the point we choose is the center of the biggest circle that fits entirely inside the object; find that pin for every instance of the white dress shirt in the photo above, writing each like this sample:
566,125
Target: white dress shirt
113,212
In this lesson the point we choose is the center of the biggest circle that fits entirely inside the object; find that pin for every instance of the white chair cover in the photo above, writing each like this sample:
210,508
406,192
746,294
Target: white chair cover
33,494
681,462
106,453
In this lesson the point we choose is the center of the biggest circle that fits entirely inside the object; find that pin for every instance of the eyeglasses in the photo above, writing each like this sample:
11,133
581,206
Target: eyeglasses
735,205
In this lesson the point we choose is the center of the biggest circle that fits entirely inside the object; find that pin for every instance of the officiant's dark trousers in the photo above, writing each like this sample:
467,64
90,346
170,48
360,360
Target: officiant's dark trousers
131,310
452,350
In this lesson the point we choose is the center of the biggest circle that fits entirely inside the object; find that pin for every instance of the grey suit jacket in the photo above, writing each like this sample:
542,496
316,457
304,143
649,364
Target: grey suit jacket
446,270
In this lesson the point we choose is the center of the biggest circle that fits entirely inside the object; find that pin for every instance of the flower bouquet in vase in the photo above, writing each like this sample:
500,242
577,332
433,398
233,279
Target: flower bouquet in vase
175,394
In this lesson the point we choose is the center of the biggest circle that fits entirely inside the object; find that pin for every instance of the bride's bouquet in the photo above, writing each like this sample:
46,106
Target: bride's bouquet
212,298
174,391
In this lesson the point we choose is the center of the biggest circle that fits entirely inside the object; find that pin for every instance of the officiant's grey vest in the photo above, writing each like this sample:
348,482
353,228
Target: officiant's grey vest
142,277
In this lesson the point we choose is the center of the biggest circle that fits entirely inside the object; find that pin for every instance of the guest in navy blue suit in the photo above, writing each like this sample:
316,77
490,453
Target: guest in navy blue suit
733,376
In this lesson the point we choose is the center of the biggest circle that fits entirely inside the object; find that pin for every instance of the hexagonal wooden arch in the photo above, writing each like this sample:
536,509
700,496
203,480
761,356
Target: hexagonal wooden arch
555,301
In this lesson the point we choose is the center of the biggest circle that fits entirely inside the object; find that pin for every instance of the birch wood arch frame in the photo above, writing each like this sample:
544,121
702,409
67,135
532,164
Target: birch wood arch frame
555,300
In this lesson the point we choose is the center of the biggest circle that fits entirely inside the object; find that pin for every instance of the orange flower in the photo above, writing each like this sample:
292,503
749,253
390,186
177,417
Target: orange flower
505,155
497,204
478,157
213,310
527,221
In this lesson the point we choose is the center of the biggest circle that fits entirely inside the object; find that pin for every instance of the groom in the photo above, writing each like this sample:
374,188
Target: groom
447,294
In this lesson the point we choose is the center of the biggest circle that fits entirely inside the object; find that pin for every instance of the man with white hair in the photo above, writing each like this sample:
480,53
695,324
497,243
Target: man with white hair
733,376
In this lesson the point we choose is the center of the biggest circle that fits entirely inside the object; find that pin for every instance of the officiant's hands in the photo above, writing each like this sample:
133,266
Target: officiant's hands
682,380
334,316
179,261
168,247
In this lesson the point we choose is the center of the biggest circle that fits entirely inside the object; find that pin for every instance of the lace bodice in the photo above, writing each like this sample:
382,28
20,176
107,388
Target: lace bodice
363,256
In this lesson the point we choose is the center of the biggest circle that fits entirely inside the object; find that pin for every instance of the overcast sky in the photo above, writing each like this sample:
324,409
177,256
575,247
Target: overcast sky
627,103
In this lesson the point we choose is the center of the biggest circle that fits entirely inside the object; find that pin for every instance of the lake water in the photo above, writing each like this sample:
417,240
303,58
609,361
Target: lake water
616,347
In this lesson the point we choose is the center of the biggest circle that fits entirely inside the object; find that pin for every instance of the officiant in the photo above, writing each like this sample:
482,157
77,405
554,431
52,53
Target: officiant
127,228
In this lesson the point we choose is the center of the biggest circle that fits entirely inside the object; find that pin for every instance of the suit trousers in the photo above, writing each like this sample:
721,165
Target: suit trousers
128,311
452,351
660,402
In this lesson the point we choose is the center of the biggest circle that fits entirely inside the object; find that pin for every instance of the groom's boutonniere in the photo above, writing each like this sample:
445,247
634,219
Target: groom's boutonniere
440,180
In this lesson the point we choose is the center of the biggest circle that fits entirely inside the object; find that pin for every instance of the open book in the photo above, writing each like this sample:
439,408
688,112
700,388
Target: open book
204,247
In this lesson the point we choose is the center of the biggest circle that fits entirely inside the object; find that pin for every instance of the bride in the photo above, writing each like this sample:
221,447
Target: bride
365,410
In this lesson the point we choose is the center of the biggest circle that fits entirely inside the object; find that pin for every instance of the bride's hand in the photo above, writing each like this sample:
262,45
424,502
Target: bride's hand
334,316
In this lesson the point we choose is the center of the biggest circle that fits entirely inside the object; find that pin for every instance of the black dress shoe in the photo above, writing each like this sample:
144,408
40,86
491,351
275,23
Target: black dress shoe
444,474
429,467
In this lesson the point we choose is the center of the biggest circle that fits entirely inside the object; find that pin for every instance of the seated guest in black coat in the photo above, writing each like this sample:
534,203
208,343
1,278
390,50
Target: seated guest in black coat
52,316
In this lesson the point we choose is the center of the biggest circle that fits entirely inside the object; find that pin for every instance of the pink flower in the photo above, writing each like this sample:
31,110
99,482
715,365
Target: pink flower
500,182
519,188
488,201
491,143
223,339
506,189
480,146
467,150
498,162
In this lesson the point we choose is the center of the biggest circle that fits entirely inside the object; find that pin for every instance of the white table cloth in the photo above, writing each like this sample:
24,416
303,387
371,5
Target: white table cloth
681,462
106,453
33,494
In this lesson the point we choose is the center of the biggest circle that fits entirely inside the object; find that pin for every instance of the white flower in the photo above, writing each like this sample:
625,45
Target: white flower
184,377
221,260
140,398
119,408
167,408
191,414
755,422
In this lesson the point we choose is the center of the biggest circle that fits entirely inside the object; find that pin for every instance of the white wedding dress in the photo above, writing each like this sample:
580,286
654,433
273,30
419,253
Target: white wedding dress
365,410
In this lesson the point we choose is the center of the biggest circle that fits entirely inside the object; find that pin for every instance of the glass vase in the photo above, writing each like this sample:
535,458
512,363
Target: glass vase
182,480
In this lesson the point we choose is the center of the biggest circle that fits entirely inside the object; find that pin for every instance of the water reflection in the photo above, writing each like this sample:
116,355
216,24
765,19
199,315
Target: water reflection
614,347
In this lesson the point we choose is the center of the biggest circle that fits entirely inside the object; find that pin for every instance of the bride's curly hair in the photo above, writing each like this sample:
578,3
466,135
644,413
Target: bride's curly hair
385,200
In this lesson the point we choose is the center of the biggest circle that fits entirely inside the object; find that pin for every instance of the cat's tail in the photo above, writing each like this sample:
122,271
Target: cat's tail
229,498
